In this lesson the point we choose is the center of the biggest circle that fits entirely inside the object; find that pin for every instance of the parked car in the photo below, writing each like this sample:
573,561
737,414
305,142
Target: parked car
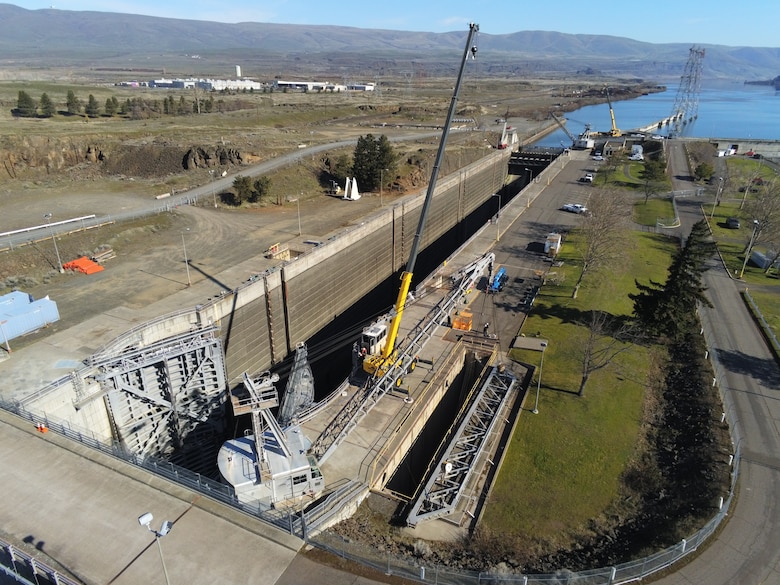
574,208
598,157
588,178
732,223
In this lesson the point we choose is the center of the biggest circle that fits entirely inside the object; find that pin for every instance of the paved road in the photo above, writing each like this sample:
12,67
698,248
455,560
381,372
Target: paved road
746,551
125,207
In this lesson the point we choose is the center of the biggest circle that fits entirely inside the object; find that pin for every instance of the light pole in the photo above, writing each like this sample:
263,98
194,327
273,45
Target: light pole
498,214
543,345
146,520
297,201
381,183
213,190
717,196
750,247
47,217
186,262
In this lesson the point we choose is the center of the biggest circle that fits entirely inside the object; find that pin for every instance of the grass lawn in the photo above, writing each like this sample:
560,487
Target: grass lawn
648,213
563,466
768,302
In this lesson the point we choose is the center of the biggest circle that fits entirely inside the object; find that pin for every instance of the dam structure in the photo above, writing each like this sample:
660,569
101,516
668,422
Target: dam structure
160,388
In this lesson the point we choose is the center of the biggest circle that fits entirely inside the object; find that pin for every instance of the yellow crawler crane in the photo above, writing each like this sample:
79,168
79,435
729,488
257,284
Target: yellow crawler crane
615,131
378,343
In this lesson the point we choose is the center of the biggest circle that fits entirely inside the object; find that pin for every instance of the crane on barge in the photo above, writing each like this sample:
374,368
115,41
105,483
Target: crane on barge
377,345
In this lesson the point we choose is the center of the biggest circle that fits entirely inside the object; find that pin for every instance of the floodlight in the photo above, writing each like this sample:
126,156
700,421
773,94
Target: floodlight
145,519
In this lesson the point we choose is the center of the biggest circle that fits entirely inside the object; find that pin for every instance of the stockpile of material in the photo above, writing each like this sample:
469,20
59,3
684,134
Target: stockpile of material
84,265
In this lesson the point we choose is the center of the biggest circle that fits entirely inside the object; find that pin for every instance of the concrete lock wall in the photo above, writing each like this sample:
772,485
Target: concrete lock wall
261,329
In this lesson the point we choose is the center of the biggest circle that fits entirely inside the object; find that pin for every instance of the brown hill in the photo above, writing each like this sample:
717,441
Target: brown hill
104,39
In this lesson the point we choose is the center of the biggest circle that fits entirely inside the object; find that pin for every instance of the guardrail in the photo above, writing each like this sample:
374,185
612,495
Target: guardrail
25,568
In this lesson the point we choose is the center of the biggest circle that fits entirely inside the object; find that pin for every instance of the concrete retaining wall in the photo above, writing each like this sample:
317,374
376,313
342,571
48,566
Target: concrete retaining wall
263,320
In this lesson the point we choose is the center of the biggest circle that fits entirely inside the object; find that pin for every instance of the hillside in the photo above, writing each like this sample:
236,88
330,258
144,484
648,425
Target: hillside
52,38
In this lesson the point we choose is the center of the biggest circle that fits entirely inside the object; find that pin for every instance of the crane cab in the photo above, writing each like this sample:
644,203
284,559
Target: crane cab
499,280
373,339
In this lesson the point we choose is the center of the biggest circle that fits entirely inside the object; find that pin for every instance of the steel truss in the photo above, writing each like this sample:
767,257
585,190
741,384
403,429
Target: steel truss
686,103
455,466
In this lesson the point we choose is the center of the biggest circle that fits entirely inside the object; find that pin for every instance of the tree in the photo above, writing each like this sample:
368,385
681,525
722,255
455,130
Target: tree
47,106
112,106
72,103
607,338
703,171
372,157
260,188
669,309
653,175
341,169
764,206
26,106
603,232
243,189
92,108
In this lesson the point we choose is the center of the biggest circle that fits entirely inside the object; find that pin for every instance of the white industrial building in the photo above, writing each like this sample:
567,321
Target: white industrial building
208,84
322,86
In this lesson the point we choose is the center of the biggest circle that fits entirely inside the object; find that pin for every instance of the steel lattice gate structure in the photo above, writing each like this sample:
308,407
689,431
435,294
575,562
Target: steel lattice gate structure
167,399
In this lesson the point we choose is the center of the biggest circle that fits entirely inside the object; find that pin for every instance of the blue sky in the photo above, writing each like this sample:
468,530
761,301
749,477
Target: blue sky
721,22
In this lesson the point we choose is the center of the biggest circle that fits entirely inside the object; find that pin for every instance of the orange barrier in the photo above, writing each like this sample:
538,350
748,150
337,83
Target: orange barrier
84,265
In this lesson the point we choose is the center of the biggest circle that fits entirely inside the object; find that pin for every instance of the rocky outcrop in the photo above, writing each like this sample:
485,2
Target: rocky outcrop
199,157
94,154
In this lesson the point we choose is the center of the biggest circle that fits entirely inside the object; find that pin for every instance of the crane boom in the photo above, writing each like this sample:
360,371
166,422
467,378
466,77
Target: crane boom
614,131
374,363
562,124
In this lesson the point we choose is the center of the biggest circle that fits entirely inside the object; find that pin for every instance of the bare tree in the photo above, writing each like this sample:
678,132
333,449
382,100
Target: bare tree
608,337
764,206
748,180
603,232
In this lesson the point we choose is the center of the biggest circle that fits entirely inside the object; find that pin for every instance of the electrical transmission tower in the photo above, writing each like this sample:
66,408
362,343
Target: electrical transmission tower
686,104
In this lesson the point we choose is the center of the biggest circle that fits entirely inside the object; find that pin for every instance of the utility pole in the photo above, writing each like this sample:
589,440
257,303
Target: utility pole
47,217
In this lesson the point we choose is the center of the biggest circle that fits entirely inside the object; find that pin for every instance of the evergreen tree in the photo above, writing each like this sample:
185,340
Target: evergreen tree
372,158
703,171
47,106
112,106
92,108
670,309
26,106
341,169
243,188
260,188
72,103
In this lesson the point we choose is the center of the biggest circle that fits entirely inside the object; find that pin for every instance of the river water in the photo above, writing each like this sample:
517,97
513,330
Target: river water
726,110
